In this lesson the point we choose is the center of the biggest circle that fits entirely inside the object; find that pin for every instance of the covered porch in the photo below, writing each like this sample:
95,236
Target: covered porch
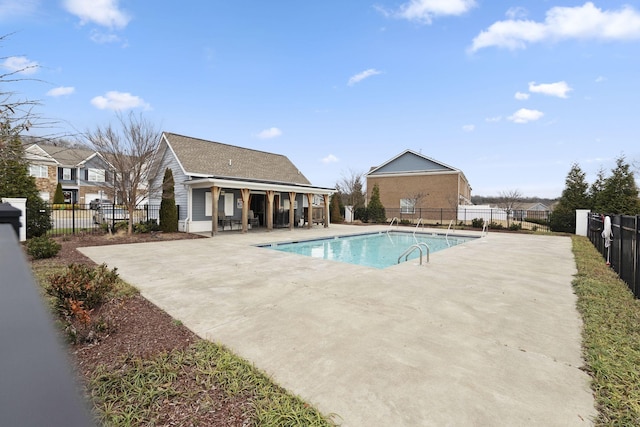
217,205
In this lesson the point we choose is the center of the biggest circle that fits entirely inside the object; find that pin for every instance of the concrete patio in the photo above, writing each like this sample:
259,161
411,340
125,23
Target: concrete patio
486,334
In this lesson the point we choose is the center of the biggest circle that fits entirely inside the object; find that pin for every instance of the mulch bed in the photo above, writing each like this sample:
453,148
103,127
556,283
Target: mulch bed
139,329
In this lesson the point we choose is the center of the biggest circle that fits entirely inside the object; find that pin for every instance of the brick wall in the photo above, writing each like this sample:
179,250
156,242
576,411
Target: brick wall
441,190
48,184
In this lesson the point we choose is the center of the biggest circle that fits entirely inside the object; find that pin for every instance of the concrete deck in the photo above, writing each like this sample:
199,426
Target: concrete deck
487,334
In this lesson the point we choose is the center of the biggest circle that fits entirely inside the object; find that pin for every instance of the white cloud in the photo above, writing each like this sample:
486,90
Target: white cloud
20,65
13,8
601,79
580,22
495,119
61,91
558,89
423,11
524,115
101,12
330,159
468,128
363,75
269,133
516,12
521,96
102,38
114,100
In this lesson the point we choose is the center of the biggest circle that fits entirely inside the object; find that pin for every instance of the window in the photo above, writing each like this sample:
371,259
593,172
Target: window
228,204
407,206
207,204
95,175
39,171
66,174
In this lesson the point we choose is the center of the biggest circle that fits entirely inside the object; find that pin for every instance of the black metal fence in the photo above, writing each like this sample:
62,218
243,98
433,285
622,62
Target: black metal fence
623,252
493,217
78,218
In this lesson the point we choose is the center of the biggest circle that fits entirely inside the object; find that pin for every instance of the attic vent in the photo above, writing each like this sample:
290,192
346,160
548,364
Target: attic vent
229,162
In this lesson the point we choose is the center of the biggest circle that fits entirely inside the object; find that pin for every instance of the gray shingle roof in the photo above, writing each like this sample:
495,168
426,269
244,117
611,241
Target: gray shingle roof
67,156
208,158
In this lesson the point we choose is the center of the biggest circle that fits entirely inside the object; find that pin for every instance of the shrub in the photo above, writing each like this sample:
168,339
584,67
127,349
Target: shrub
58,196
405,221
121,226
146,226
477,222
42,247
375,208
81,285
361,213
168,210
515,226
496,226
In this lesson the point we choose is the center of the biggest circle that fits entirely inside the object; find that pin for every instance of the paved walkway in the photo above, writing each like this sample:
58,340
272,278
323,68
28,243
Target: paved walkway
487,334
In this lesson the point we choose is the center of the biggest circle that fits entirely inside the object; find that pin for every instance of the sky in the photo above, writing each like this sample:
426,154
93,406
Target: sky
511,93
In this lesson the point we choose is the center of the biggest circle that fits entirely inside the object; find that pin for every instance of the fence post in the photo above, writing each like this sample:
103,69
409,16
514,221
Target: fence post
634,245
73,217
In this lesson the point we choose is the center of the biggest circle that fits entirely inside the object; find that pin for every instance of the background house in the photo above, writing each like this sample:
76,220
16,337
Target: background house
221,186
84,174
413,185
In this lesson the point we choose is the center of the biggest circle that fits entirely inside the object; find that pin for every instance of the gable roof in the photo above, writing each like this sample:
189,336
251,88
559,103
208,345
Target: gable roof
64,156
537,206
202,158
411,162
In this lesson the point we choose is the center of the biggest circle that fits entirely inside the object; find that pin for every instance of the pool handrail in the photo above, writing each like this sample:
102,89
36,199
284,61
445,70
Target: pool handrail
412,248
395,218
485,230
417,225
446,236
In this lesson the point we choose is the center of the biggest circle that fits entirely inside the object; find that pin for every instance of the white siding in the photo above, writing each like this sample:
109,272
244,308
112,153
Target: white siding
169,161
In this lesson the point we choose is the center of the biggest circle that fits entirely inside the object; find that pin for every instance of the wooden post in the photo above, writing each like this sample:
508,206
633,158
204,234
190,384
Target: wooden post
215,196
245,192
270,194
326,210
310,210
292,201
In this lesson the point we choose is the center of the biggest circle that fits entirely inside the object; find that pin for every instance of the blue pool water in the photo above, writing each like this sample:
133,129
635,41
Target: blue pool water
378,250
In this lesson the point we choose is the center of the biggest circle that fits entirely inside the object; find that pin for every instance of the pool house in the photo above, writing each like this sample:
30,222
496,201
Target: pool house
221,187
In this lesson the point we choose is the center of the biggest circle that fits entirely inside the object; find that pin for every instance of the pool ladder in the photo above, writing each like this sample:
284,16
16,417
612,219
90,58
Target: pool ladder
412,248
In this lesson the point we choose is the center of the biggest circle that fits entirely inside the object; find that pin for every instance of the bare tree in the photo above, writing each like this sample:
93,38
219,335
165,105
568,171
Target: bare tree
510,200
16,114
129,147
415,200
351,188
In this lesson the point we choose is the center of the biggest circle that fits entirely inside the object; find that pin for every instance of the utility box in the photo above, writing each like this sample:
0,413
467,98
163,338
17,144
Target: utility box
10,215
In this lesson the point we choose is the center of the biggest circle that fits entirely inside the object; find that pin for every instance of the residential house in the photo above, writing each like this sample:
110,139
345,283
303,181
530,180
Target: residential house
220,186
84,174
413,185
536,210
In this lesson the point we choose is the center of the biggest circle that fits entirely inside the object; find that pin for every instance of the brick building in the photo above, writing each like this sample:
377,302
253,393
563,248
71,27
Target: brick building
411,182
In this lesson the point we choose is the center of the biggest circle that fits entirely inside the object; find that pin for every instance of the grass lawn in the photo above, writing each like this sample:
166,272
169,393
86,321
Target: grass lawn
611,337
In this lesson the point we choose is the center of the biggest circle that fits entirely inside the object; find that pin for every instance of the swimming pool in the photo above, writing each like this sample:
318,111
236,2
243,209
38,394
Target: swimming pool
379,250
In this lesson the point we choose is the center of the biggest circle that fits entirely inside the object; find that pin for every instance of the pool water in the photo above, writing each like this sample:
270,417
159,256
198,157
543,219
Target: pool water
380,250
